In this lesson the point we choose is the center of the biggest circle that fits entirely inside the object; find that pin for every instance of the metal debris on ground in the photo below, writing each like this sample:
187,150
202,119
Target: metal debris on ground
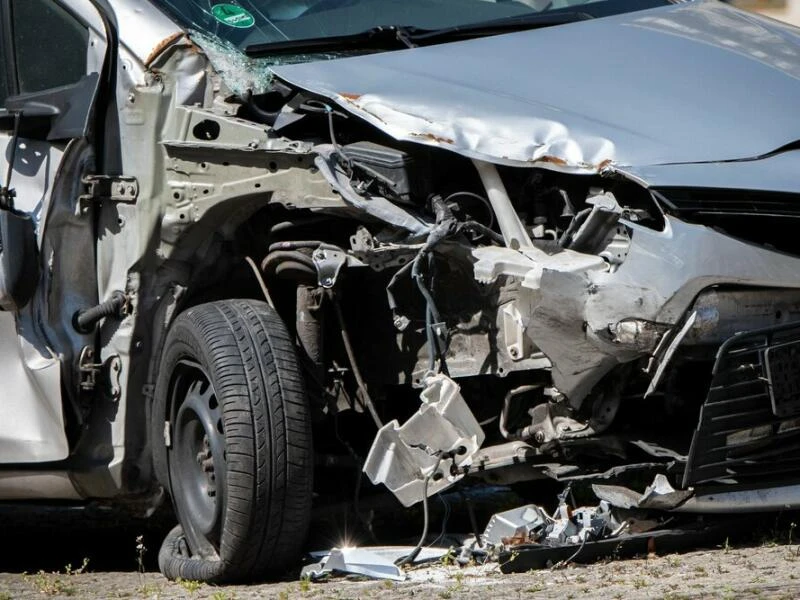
377,562
623,523
532,525
659,495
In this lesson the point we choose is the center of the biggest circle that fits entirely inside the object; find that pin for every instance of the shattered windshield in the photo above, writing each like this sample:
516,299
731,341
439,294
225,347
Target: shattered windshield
244,23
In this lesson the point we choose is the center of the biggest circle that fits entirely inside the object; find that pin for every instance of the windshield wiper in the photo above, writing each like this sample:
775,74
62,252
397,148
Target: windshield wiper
517,23
384,36
391,36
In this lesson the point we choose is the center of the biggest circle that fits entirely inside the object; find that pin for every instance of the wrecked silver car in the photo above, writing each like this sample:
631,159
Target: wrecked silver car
443,239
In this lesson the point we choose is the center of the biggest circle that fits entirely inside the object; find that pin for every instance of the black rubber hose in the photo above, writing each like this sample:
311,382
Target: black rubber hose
274,258
411,556
264,116
484,230
85,320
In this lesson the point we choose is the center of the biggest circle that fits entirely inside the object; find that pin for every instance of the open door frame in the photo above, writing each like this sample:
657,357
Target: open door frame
61,136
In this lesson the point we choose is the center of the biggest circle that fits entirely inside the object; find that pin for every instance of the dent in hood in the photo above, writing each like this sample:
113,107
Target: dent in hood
689,83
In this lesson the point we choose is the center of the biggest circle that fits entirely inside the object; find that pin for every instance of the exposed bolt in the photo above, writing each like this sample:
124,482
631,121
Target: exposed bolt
513,352
327,282
131,190
319,255
539,437
401,322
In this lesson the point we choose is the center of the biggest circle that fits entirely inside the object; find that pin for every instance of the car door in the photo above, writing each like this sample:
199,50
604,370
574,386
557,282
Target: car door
52,54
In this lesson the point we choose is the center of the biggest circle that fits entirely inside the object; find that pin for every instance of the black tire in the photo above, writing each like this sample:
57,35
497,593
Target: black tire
240,460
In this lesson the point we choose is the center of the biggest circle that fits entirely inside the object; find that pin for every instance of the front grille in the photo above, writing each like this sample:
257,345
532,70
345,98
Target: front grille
749,430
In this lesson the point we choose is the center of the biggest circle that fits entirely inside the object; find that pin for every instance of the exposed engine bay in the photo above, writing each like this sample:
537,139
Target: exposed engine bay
552,323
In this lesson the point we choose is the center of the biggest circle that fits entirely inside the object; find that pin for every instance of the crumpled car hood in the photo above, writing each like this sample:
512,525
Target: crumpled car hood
687,83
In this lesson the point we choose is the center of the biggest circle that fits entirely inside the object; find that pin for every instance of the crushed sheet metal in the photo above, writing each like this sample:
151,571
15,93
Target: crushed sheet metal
569,113
161,46
659,495
669,352
356,561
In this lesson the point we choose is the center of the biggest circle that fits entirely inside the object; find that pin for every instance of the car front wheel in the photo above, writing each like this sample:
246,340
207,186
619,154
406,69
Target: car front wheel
239,456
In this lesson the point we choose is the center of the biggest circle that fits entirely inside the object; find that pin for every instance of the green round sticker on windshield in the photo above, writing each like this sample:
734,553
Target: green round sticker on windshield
233,15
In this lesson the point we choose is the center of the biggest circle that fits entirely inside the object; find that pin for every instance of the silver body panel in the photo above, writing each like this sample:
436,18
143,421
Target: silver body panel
629,90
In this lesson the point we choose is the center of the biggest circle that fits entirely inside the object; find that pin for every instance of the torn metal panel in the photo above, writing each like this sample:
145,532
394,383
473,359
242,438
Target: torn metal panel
669,352
659,495
509,111
666,270
576,301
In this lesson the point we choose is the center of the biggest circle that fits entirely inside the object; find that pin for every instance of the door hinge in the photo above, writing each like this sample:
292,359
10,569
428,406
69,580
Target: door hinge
108,188
107,372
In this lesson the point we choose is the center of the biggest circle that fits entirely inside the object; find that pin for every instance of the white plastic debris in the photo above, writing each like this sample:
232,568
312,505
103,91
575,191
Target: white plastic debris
441,435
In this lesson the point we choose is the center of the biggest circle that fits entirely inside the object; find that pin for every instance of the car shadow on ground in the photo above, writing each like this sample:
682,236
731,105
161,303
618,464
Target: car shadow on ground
59,539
